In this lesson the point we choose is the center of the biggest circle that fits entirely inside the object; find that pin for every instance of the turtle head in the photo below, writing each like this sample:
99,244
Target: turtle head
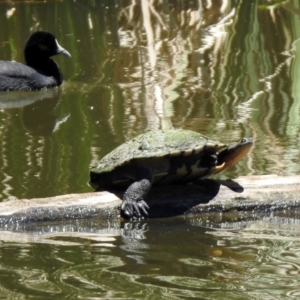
233,154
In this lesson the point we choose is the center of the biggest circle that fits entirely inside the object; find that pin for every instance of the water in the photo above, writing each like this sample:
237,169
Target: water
154,259
228,69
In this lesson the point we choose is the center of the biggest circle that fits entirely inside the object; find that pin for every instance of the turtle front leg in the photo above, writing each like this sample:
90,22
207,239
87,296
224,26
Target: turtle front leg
134,204
133,199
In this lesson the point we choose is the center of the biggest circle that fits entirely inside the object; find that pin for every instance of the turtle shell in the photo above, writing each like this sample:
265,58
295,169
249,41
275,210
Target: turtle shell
168,152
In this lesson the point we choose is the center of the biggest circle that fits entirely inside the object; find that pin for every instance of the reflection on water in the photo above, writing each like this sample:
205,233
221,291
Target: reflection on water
21,99
155,259
36,109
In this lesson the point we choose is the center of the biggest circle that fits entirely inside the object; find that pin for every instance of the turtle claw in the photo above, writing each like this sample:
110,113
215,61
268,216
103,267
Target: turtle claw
143,206
133,209
133,204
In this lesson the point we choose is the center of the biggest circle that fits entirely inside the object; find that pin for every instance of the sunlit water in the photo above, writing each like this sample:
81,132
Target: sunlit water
228,69
155,259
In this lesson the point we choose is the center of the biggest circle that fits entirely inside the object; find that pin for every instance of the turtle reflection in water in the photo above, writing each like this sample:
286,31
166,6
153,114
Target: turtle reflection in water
162,157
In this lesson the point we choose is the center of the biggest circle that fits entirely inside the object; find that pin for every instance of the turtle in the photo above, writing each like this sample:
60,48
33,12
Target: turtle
161,157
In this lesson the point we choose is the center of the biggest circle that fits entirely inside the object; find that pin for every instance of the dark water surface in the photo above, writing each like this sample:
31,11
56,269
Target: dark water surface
154,259
228,69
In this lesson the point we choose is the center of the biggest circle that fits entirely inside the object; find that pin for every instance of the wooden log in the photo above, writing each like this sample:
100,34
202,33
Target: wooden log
262,194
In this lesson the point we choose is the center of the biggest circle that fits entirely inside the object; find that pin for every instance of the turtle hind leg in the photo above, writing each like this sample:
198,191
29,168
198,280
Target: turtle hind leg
134,204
